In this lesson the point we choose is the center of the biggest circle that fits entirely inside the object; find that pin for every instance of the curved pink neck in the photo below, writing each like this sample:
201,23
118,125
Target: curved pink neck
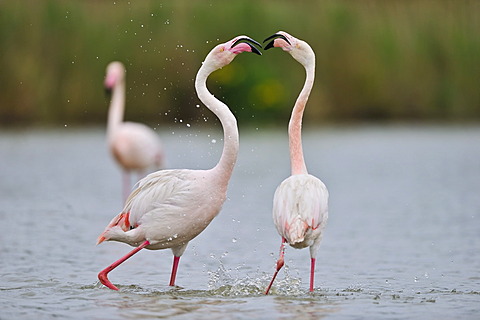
227,119
295,125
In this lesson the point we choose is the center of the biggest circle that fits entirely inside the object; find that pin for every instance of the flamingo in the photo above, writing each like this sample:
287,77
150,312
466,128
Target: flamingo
134,146
171,207
300,202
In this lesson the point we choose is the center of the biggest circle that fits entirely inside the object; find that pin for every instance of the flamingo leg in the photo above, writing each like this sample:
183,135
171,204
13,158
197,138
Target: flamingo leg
312,273
102,276
280,263
176,260
126,185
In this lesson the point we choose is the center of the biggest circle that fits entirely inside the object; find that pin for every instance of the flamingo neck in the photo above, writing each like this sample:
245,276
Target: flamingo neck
295,125
228,121
117,107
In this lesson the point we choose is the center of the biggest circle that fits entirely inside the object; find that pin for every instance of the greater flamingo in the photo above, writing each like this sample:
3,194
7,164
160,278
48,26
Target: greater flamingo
171,207
300,203
134,146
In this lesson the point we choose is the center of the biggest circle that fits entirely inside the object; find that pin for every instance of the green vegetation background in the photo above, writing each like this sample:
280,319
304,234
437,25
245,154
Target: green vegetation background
376,60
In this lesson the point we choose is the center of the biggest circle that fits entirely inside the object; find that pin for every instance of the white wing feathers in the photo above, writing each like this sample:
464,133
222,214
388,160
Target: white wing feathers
161,188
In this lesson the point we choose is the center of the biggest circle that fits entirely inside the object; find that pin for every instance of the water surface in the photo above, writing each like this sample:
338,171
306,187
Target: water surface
402,240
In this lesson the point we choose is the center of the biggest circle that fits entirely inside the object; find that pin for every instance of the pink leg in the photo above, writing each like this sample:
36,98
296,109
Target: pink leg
176,260
280,263
102,276
312,273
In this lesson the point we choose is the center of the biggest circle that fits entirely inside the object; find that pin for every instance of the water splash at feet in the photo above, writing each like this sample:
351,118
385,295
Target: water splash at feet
228,282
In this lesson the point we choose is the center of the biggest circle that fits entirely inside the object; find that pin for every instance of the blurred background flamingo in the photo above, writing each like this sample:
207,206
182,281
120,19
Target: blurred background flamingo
300,203
134,146
171,207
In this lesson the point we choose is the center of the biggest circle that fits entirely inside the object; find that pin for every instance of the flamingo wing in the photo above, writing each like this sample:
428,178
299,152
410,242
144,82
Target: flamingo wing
161,188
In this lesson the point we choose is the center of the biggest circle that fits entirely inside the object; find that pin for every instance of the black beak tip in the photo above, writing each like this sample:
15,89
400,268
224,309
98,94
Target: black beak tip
255,50
253,41
269,45
273,37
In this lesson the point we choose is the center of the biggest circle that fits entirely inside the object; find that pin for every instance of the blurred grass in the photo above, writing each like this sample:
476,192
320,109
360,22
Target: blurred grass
376,60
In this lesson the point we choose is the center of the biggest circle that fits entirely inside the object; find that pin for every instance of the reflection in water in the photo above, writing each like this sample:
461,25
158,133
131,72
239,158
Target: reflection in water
305,308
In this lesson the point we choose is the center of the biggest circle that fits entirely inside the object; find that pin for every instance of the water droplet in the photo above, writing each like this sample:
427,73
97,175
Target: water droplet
234,240
214,141
188,125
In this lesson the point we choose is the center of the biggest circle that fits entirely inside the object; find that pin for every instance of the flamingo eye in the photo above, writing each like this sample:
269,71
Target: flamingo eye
132,227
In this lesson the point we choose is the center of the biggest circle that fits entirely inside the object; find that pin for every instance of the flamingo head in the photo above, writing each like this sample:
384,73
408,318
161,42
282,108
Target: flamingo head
299,49
122,220
224,53
115,74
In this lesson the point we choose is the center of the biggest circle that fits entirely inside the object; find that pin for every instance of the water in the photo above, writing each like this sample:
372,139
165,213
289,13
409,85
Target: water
402,240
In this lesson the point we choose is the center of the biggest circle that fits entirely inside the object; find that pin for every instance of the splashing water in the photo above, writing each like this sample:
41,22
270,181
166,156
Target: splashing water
223,282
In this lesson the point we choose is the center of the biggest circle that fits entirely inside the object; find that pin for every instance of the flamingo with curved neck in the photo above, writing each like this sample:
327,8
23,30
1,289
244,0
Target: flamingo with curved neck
171,207
300,203
134,146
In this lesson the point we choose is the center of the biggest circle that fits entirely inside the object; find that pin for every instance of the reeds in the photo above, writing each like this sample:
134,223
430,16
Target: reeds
376,60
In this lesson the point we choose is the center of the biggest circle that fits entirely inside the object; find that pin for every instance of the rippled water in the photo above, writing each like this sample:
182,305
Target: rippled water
402,240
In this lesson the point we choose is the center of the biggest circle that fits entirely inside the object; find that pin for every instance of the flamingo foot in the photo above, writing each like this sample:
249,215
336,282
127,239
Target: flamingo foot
102,276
